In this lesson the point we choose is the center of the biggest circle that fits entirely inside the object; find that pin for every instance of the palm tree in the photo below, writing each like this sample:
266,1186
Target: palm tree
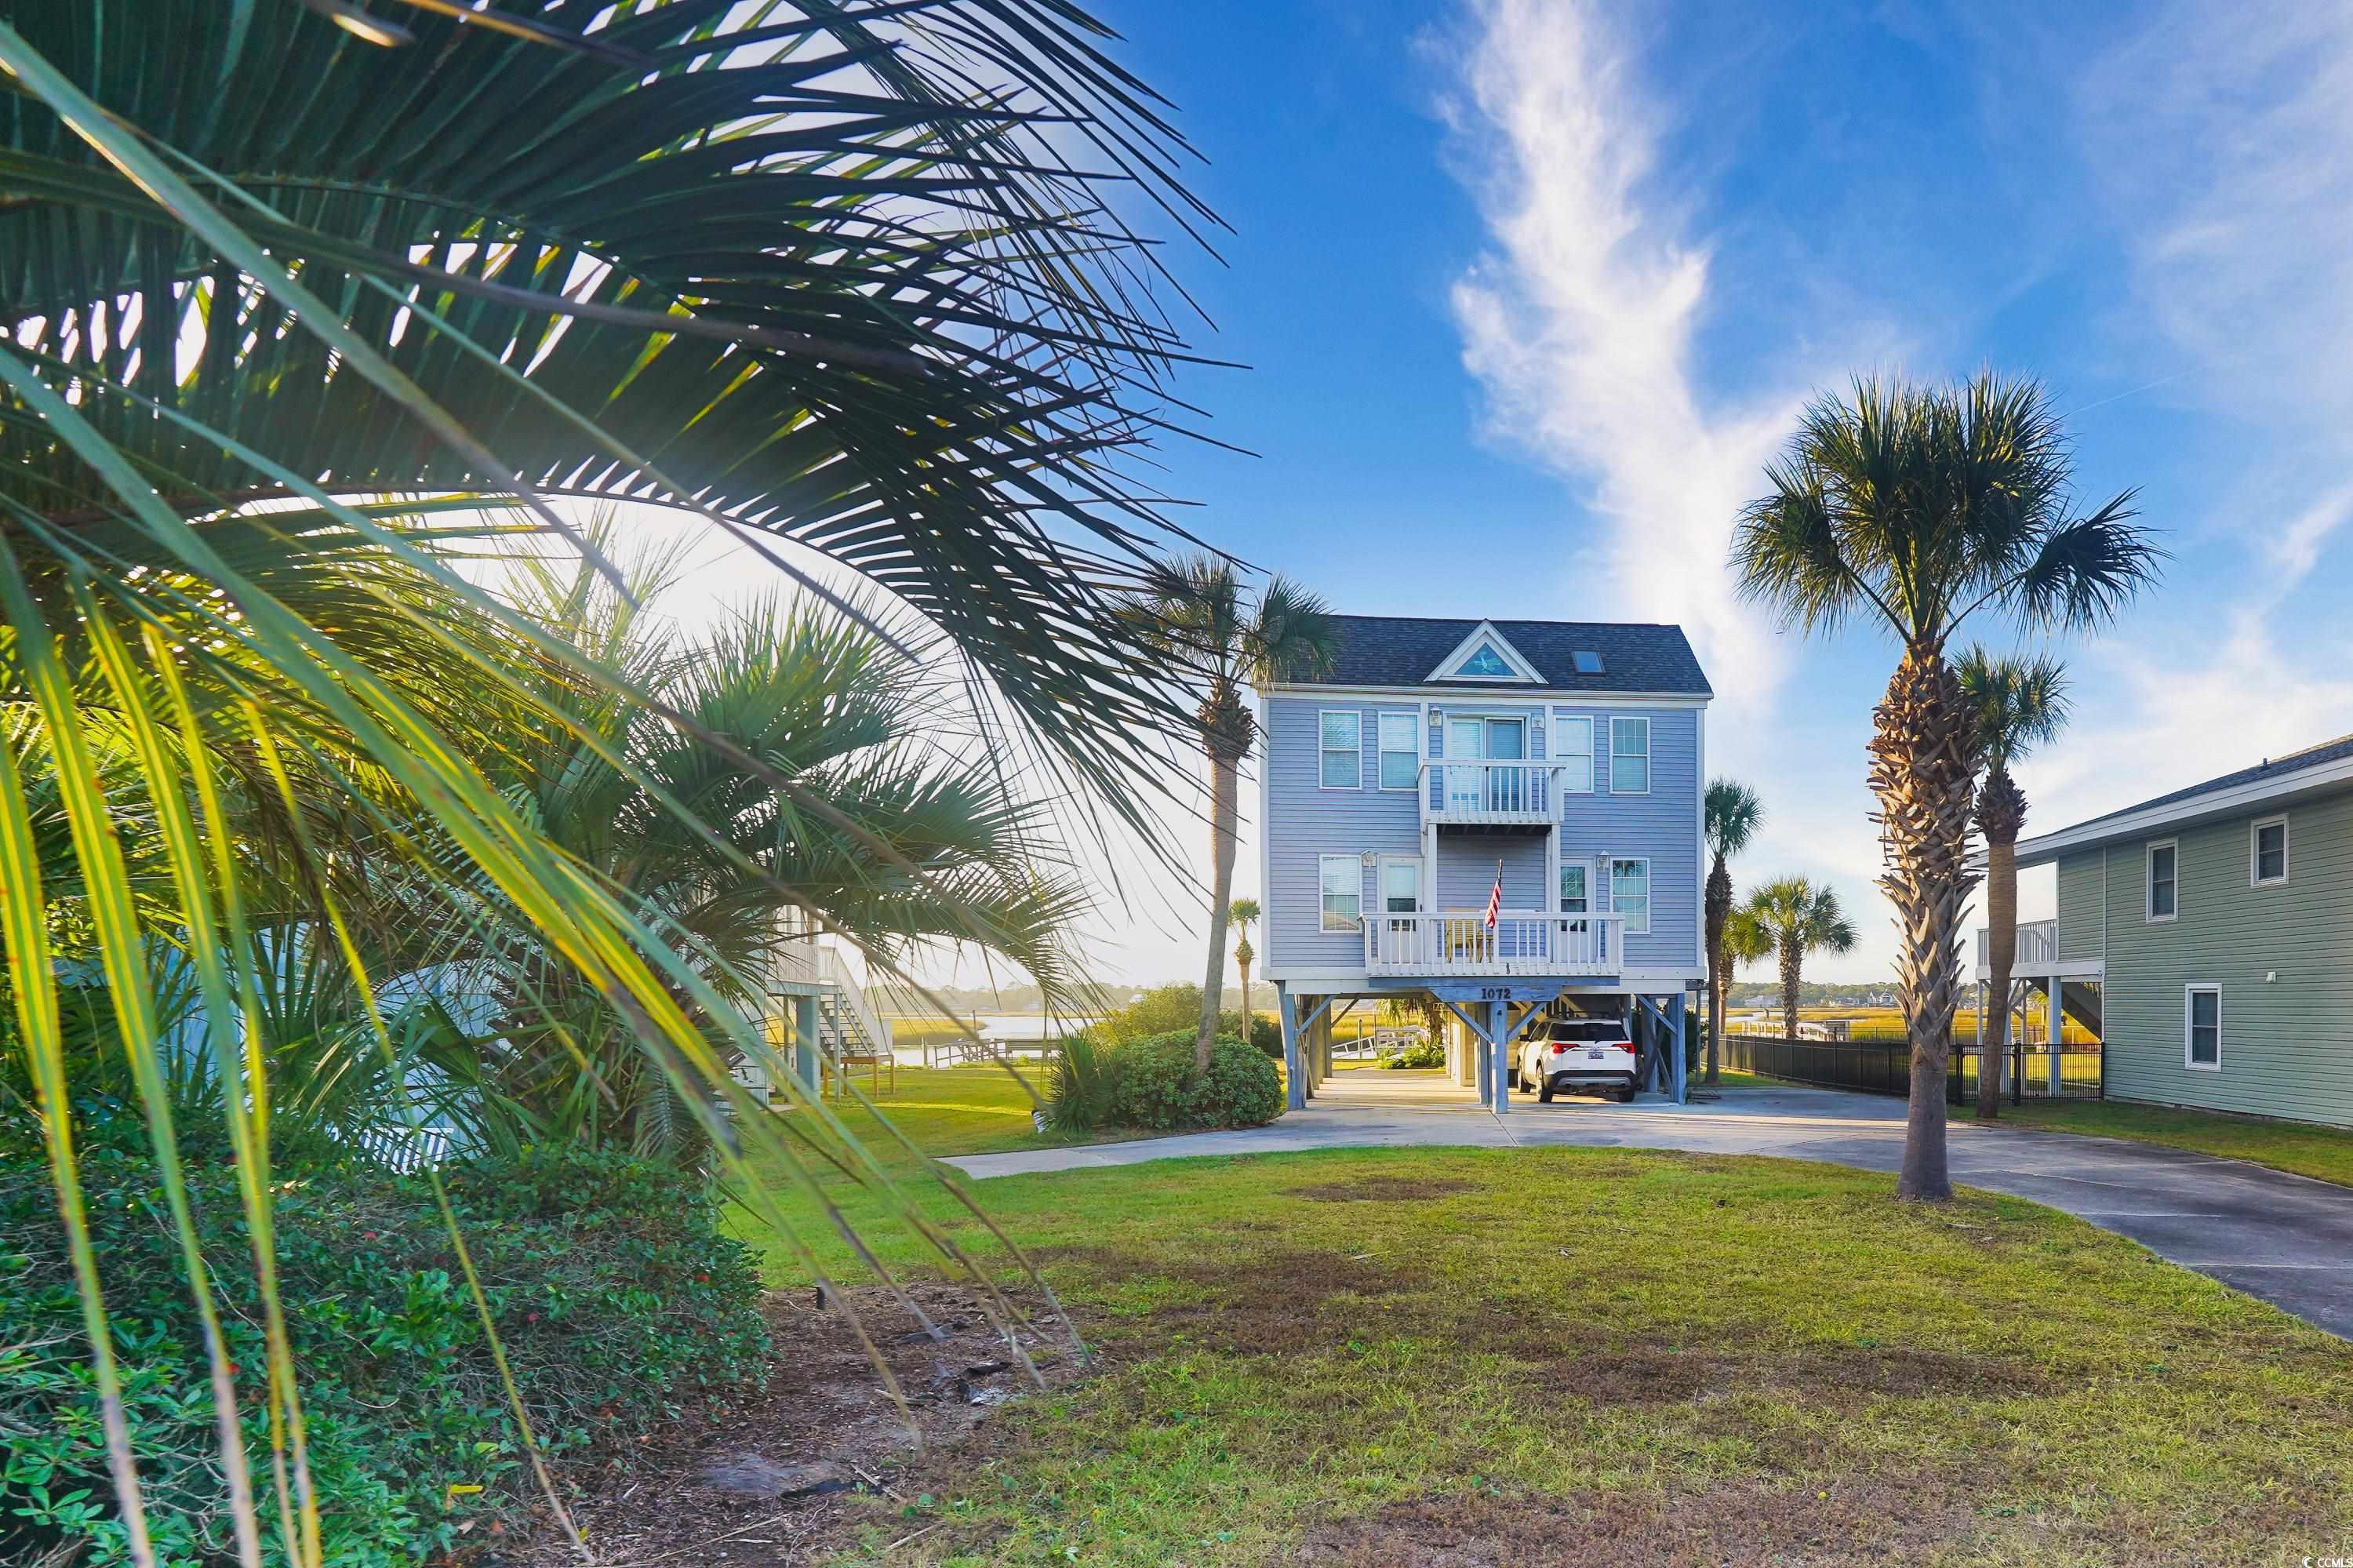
2020,704
1746,941
1194,612
1241,915
1732,814
844,280
1922,507
1797,917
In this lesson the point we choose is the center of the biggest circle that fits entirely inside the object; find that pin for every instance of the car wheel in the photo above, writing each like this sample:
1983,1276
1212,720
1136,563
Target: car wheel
1543,1094
1625,1096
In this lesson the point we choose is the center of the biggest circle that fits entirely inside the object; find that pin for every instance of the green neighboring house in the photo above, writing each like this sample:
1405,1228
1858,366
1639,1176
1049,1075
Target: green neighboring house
2207,936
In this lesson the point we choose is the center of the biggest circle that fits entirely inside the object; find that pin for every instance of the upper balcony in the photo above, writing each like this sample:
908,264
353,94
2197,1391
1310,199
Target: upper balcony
1510,793
1521,942
2038,953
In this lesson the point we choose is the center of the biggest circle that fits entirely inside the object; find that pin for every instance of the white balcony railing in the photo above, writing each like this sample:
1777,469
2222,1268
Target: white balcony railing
2038,945
1523,942
1489,791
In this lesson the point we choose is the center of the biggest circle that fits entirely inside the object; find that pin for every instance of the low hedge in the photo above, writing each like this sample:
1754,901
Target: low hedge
615,1296
1150,1083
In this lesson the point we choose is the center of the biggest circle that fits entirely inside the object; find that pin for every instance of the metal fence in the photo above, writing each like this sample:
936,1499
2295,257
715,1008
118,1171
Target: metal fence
1884,1067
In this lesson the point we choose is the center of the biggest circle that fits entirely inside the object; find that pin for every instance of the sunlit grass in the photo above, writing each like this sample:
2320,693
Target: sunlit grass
1720,1336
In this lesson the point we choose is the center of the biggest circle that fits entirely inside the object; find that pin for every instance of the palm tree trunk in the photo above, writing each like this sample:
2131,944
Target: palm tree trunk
1924,751
1719,910
1224,811
2001,812
1793,959
1242,962
2001,957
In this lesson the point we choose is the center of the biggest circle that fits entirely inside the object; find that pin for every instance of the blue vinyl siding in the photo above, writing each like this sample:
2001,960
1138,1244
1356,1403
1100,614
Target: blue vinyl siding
1466,871
1662,826
1305,822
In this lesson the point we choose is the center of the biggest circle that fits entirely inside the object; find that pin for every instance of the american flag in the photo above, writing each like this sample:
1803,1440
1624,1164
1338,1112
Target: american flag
1495,898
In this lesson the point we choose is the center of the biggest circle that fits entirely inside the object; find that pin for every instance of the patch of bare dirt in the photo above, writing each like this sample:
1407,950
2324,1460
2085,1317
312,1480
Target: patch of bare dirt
1869,1521
762,1477
1379,1190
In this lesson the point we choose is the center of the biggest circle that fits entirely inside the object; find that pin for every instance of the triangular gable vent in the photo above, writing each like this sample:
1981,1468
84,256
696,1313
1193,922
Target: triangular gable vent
1486,655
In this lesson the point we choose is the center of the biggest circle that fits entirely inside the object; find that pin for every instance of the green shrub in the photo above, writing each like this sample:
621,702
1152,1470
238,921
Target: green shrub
615,1295
1265,1035
1157,1088
1163,1010
1085,1087
1424,1053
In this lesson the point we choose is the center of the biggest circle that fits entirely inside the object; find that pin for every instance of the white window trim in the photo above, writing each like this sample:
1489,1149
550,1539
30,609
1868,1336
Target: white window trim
1609,875
2148,882
1322,919
2254,855
1558,755
2188,991
1644,720
1321,750
1420,741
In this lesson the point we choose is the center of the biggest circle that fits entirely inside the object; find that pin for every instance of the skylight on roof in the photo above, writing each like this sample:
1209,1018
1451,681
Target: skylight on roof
1589,662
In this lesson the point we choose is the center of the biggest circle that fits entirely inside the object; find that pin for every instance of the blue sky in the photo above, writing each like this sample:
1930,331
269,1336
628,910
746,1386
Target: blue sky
1529,290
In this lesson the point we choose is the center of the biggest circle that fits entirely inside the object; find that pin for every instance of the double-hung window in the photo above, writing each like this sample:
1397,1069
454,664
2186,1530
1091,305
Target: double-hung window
1343,877
1400,744
1629,894
1572,752
1630,756
2164,880
1344,751
1573,900
2267,852
2202,1028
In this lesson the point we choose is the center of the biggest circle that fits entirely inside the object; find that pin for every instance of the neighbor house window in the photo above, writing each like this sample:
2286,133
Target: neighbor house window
2163,879
1572,890
1630,756
1572,749
1344,892
1344,751
1400,736
1629,892
2267,851
2202,1028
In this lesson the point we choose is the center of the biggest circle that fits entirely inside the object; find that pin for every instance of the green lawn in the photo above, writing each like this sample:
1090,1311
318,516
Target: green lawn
2319,1151
1609,1355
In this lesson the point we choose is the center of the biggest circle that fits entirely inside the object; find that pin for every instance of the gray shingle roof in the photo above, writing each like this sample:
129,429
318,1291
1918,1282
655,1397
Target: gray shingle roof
1402,649
2271,767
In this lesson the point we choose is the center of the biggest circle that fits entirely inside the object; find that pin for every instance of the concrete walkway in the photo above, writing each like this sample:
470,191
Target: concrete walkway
2287,1239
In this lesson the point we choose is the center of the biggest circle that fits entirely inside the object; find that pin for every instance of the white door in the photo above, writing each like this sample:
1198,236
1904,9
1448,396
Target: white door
1400,892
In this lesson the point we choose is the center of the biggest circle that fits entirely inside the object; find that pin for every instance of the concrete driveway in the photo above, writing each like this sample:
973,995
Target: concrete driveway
2287,1239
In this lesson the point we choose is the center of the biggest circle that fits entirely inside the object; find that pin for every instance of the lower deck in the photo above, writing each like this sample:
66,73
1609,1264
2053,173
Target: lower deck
1481,1024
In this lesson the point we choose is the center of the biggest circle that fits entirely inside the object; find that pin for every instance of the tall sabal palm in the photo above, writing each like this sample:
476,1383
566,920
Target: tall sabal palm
1195,613
1920,508
1797,917
1731,815
1241,915
843,278
2020,704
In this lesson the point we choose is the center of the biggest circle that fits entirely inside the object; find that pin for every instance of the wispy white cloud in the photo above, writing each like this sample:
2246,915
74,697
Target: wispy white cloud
2217,141
1583,322
1580,321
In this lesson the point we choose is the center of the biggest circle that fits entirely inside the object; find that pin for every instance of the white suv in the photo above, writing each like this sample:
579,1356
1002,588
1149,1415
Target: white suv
1568,1054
